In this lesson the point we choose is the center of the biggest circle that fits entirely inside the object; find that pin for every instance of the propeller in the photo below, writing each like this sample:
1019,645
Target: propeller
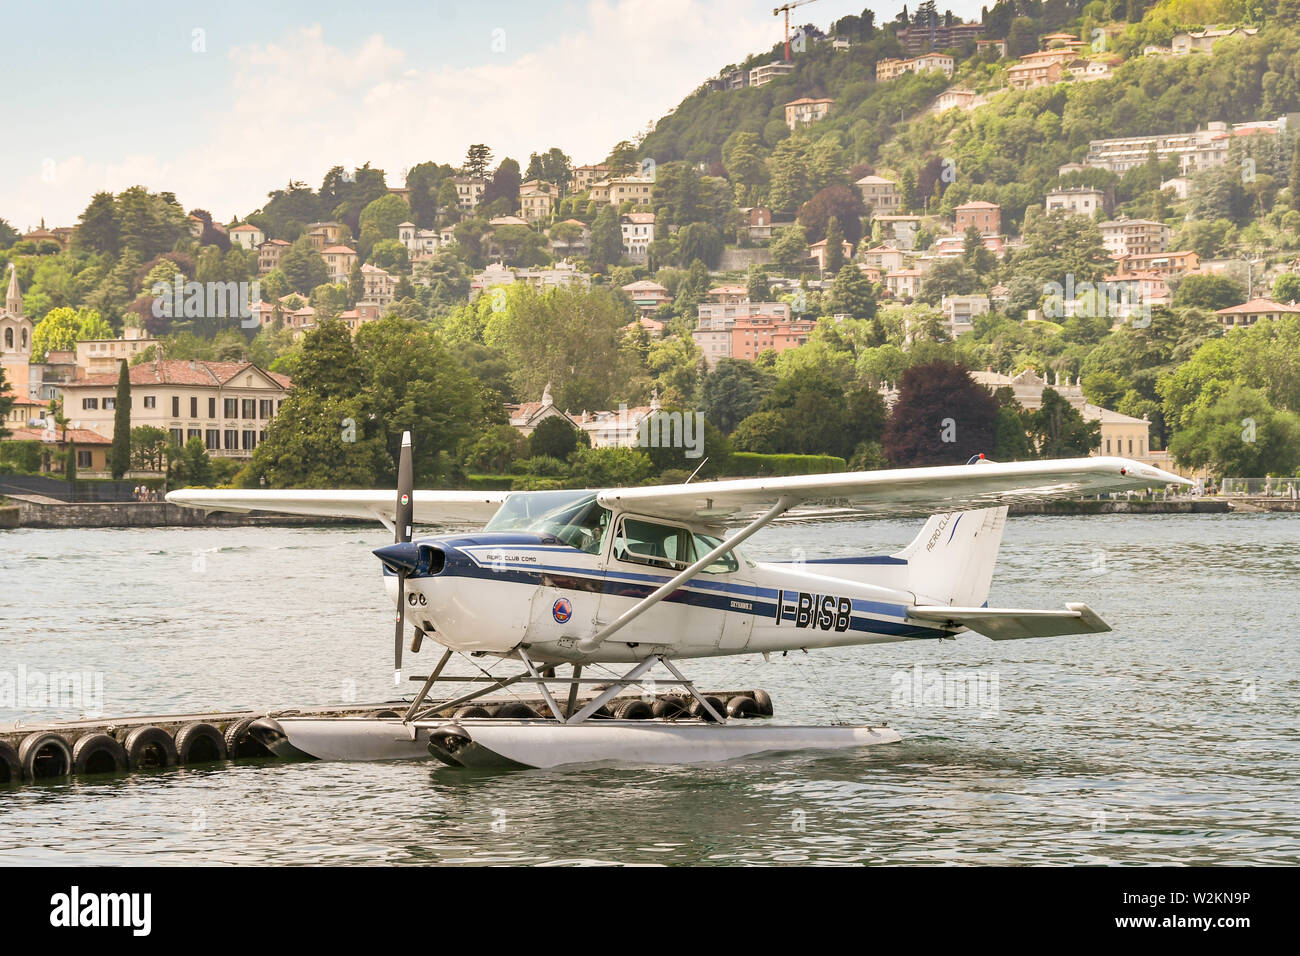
402,535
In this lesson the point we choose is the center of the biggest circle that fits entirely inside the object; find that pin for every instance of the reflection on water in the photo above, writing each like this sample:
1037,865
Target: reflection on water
1169,740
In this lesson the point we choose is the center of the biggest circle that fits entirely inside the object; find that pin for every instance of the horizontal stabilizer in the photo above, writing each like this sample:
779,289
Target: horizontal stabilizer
1011,624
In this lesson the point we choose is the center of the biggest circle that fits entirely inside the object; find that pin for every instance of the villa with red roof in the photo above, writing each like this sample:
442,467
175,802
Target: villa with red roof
229,405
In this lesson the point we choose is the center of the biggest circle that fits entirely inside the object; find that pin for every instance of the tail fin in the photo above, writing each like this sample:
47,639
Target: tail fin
951,561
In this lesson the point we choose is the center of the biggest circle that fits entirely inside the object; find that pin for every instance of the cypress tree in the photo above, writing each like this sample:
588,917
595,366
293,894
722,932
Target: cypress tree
1295,176
120,457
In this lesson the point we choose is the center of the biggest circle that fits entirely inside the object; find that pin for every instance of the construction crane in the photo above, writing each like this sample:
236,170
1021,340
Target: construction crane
786,9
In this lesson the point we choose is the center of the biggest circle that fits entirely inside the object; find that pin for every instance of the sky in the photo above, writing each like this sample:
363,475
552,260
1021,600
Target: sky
223,102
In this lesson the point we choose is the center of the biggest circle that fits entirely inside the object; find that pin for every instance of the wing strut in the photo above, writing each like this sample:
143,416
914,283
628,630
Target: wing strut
783,504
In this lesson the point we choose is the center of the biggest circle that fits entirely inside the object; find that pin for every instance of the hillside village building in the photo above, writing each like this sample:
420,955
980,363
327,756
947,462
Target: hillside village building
1121,435
638,232
1195,151
102,356
1256,310
806,110
984,216
229,405
1125,237
880,194
1078,200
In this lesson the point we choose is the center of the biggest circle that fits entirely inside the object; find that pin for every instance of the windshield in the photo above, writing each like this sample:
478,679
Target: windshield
572,516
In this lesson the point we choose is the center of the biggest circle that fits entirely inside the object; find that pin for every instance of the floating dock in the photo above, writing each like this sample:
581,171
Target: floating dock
55,750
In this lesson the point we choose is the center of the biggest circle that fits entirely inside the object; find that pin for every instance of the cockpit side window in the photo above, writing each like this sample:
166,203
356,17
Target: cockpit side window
584,530
727,564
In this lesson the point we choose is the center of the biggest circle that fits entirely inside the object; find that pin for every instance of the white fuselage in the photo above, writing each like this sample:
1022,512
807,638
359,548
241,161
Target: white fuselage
497,591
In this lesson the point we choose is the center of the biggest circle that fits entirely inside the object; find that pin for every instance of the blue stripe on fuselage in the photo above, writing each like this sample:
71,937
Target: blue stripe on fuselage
716,595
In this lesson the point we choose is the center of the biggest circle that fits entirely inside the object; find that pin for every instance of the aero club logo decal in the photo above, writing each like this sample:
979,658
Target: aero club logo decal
561,610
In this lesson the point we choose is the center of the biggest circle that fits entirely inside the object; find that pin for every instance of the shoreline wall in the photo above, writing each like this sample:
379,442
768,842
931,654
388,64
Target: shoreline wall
143,514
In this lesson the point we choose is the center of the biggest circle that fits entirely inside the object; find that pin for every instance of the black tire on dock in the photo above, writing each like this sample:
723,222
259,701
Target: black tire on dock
199,743
472,710
240,743
98,753
634,710
384,715
515,710
763,700
698,711
742,707
11,768
149,748
668,708
44,756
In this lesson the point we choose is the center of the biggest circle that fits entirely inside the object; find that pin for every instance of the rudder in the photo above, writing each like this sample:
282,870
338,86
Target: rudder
951,561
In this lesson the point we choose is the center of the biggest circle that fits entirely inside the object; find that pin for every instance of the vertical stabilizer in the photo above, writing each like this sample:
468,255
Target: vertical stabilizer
951,561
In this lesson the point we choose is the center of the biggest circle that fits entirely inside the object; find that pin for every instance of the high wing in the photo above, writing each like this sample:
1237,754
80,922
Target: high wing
896,491
431,507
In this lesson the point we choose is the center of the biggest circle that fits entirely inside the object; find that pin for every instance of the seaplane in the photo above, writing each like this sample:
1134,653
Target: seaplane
650,577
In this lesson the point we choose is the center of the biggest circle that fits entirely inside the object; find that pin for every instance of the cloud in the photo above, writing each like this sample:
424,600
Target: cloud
304,102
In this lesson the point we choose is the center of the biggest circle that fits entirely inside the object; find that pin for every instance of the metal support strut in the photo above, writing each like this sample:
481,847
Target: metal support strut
783,504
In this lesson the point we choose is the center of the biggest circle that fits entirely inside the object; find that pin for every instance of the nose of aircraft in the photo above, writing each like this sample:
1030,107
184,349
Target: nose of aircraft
403,556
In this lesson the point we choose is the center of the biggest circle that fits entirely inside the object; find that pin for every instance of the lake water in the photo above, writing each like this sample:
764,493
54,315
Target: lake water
1172,739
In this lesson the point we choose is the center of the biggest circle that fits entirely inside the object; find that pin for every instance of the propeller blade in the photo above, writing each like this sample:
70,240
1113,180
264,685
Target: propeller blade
402,520
401,629
405,489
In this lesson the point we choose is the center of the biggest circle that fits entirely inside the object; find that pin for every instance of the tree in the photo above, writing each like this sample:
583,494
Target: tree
1059,431
384,215
449,201
622,158
63,328
6,402
841,203
120,456
975,254
150,223
762,432
555,437
303,266
496,449
477,160
834,246
571,338
1209,292
412,382
742,156
149,446
322,435
606,239
98,226
756,286
1286,287
789,247
1242,435
701,241
504,185
853,293
195,464
941,417
1060,246
948,277
733,391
